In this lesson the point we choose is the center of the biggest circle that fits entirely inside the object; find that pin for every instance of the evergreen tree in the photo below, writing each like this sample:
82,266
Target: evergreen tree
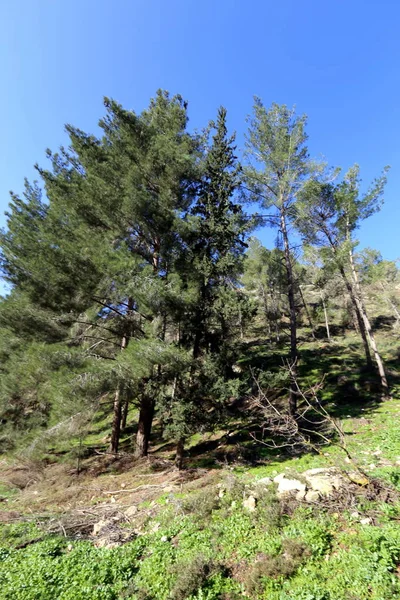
280,167
329,215
108,237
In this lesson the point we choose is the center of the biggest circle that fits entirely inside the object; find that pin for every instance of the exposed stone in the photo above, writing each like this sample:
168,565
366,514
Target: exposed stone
250,504
358,478
301,495
287,486
366,521
324,481
264,481
131,511
100,525
312,496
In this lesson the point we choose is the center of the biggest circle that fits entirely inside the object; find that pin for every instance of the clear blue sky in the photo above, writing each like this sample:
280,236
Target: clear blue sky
337,61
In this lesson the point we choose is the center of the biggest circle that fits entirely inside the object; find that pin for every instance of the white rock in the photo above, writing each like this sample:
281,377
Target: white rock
312,496
131,511
99,526
286,486
250,504
301,495
366,521
164,538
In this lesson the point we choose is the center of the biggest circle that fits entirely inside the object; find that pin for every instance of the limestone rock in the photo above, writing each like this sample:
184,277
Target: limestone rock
250,504
312,496
131,511
287,486
301,495
358,478
100,525
324,481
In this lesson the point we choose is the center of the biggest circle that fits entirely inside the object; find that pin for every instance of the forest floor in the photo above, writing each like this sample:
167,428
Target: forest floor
87,525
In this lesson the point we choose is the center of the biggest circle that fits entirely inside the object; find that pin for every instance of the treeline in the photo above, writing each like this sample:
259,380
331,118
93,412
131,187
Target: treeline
132,281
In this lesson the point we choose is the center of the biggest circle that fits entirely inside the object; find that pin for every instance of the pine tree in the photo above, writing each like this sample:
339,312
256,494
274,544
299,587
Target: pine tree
281,167
108,236
329,215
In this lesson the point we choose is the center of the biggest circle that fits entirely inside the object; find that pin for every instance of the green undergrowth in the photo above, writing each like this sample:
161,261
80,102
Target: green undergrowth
206,545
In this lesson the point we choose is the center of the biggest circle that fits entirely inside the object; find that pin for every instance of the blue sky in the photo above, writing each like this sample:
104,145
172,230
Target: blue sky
337,61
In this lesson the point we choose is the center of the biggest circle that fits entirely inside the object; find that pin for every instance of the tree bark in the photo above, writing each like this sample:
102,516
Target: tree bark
117,406
293,317
124,417
145,422
179,453
368,328
116,424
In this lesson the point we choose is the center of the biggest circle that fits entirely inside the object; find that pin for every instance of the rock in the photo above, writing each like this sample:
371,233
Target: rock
99,526
131,511
355,515
286,486
221,493
264,481
279,477
358,478
324,481
322,485
312,496
301,495
366,521
250,504
164,538
372,466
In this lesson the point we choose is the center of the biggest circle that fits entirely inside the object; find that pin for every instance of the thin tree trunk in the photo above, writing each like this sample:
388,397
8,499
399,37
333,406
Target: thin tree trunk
326,317
179,453
117,406
125,409
293,317
360,321
145,422
356,322
353,298
116,424
368,328
307,313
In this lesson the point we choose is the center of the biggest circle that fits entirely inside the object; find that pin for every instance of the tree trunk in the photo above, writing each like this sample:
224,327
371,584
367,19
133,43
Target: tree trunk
124,417
360,320
293,317
326,317
307,313
179,453
116,424
117,409
368,328
146,415
353,298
